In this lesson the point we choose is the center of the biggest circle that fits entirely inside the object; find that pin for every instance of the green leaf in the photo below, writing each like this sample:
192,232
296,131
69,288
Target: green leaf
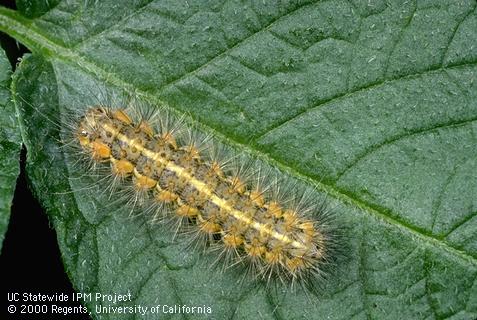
10,145
374,102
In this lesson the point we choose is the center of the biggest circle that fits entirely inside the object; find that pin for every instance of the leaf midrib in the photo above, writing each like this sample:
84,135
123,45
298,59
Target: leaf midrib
22,29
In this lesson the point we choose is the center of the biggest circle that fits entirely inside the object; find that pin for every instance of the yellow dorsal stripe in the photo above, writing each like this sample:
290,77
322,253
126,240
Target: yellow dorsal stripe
203,188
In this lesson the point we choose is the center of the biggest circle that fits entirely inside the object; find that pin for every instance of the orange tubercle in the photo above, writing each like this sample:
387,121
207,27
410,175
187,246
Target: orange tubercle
187,211
167,196
100,150
232,240
122,167
122,116
143,182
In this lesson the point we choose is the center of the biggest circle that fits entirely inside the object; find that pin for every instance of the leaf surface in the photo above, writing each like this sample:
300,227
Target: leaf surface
374,102
10,145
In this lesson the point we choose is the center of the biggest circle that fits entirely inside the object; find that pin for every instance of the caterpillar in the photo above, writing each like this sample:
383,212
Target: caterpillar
277,235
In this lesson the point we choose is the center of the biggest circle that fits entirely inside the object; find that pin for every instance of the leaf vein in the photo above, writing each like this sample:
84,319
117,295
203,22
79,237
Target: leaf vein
454,32
345,95
461,223
233,47
91,37
420,131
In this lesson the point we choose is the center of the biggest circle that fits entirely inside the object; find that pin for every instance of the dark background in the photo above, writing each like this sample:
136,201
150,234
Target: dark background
30,260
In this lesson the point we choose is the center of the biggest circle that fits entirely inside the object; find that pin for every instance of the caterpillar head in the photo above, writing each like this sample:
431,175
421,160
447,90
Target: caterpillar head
90,136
